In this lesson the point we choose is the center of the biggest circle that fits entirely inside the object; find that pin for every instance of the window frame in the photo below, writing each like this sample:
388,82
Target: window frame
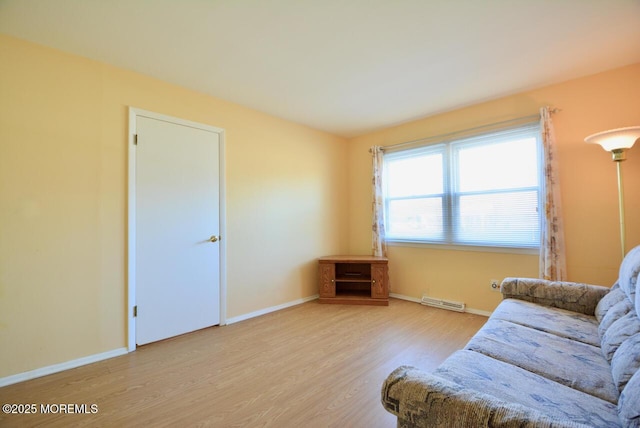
451,193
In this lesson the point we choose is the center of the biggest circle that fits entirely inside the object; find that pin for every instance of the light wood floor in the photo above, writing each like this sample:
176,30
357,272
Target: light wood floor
311,365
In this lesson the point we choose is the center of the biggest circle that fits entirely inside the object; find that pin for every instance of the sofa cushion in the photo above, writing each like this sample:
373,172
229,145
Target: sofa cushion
574,364
629,404
516,385
617,311
626,361
619,331
611,298
561,322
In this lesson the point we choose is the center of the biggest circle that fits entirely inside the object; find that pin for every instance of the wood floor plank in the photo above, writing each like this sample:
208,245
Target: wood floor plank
311,365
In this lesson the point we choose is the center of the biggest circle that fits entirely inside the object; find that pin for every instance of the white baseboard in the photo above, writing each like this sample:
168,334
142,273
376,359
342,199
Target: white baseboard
478,312
270,309
403,297
416,300
44,371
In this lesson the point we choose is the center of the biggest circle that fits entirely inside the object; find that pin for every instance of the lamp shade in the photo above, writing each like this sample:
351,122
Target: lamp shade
620,138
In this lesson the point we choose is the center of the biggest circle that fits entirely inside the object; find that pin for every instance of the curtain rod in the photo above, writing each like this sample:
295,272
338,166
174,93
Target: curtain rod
465,131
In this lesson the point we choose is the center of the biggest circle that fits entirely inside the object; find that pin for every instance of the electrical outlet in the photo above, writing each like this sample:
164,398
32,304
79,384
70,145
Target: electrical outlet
495,285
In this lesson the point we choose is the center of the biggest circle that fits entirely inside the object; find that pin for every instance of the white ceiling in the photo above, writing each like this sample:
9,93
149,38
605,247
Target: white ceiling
343,66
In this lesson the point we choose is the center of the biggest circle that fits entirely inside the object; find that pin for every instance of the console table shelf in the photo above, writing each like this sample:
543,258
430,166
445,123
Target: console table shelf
356,280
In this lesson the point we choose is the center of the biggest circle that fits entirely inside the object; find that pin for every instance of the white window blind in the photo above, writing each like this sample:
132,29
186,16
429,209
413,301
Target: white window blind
480,190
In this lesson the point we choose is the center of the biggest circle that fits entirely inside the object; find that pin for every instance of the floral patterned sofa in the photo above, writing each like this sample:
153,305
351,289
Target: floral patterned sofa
552,354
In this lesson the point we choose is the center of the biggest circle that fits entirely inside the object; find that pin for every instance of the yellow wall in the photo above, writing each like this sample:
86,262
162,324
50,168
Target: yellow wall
588,186
63,188
63,212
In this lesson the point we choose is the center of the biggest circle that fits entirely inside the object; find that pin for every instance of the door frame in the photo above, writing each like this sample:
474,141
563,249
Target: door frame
130,303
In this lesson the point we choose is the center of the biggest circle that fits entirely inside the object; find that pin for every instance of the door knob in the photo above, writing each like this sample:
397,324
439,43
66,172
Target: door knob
213,238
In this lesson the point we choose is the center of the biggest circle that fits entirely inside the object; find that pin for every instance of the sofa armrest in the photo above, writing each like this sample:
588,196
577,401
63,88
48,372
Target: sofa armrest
573,296
420,399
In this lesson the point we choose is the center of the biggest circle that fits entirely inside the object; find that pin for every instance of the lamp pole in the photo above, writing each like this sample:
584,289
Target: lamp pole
620,200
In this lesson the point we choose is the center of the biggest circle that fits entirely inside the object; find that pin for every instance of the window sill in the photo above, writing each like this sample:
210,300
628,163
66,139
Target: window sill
453,247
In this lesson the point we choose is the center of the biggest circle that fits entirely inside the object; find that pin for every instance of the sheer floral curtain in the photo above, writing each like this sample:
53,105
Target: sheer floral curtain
378,246
552,257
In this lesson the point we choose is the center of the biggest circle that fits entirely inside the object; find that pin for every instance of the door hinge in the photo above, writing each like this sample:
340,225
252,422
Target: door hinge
135,311
135,139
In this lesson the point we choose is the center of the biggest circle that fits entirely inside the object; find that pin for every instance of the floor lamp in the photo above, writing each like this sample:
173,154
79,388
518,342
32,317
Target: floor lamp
617,141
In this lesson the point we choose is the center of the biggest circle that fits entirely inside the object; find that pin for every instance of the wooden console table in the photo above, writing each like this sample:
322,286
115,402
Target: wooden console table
355,280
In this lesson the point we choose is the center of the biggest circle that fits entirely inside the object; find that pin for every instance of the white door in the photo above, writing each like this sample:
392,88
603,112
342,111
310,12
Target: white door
177,200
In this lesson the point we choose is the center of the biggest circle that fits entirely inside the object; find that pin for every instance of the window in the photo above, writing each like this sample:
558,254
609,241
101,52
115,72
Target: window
482,190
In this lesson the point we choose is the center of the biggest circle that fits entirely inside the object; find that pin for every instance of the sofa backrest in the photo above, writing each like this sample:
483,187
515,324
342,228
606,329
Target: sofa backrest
628,276
619,315
623,299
